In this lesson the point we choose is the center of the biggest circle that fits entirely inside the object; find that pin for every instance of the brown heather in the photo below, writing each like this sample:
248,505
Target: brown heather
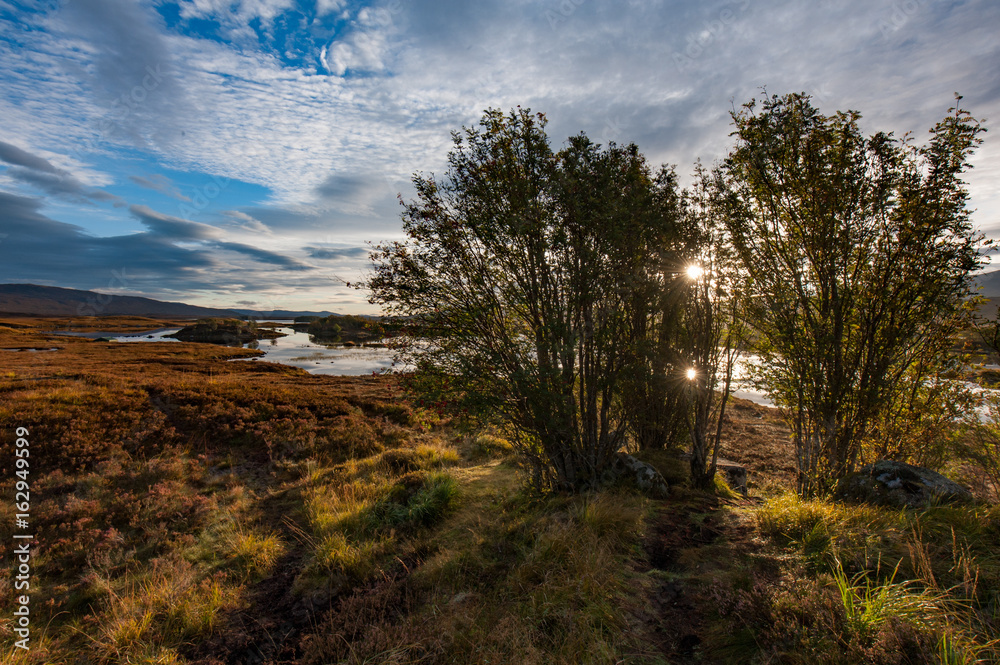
189,509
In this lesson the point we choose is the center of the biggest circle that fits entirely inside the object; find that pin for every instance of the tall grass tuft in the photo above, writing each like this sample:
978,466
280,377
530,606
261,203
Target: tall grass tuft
150,618
256,552
868,606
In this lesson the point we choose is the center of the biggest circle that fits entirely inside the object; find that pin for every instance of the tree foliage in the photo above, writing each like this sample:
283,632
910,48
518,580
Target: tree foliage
713,330
858,252
522,271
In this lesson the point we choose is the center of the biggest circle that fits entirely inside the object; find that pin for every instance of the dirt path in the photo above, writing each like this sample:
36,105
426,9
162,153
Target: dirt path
693,543
696,542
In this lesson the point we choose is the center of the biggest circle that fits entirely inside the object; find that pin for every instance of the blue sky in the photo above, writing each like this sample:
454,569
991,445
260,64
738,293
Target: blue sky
240,153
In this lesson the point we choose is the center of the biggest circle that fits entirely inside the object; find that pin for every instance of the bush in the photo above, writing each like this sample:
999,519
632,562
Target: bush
854,306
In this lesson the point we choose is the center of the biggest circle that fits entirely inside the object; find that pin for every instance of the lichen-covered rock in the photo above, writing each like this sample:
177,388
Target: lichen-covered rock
896,484
645,477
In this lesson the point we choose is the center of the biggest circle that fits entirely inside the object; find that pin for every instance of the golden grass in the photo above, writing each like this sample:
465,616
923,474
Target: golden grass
149,618
513,579
185,502
255,551
936,572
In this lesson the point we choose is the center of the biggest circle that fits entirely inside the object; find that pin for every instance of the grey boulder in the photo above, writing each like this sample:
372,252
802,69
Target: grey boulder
897,484
644,476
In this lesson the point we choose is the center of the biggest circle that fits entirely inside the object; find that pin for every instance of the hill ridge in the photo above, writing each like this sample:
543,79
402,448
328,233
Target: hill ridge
37,300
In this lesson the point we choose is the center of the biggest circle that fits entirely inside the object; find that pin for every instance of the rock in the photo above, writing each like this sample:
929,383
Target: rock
736,475
643,475
896,484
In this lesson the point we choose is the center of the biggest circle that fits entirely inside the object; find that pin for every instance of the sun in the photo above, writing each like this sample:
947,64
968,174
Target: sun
692,373
694,271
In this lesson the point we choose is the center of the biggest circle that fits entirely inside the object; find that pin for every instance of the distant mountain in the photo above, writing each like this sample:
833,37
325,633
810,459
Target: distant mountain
34,300
990,283
278,313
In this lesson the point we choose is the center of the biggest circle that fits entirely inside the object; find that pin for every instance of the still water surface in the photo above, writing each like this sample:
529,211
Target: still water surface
297,349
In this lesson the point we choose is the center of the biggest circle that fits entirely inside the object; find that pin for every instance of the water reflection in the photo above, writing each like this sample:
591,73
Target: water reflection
298,349
322,356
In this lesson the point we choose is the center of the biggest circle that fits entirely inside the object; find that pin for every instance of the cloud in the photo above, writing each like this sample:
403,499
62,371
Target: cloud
263,255
324,7
129,70
336,253
21,215
159,183
173,228
58,183
245,221
14,155
40,173
333,148
235,12
364,51
422,69
170,260
359,193
41,250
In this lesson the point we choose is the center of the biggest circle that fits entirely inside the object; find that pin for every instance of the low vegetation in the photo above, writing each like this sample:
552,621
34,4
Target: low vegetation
345,328
189,509
224,331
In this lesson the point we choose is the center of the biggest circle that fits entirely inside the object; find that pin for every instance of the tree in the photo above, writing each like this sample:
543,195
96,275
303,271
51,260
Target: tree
858,252
656,396
712,332
520,271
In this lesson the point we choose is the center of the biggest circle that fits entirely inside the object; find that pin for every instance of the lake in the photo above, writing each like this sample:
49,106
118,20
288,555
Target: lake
298,349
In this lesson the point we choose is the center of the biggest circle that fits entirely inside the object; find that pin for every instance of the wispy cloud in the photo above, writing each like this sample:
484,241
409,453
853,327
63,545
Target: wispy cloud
244,221
40,173
18,157
160,183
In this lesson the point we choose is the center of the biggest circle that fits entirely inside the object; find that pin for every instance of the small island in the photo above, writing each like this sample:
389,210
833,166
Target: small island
342,328
225,331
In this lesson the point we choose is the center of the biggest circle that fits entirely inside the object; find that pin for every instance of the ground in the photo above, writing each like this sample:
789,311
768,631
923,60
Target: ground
193,510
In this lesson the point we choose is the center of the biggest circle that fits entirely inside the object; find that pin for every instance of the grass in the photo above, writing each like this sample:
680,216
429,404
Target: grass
512,579
187,507
922,581
255,551
170,486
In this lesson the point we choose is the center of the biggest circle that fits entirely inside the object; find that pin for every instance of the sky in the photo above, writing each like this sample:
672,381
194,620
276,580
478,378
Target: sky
242,153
